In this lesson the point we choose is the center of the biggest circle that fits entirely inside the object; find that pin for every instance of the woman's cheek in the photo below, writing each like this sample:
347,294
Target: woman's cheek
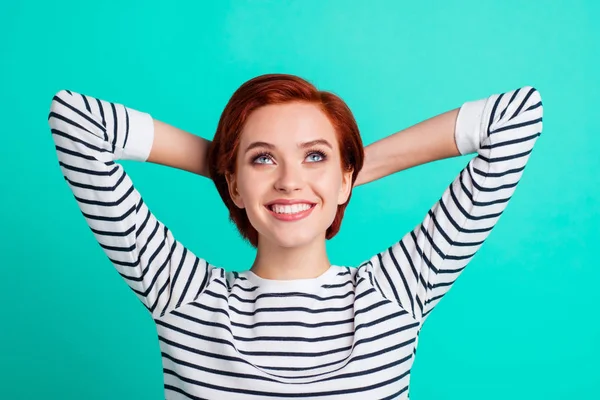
331,178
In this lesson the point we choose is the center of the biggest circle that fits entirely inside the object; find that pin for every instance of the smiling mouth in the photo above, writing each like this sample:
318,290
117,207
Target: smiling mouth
290,209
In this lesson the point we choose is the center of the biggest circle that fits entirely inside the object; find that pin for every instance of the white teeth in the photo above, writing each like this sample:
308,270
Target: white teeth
290,209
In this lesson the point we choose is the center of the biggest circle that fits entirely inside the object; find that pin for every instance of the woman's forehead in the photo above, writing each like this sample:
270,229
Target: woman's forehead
287,124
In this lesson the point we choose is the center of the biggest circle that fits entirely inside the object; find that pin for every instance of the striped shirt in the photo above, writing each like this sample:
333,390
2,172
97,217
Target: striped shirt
350,333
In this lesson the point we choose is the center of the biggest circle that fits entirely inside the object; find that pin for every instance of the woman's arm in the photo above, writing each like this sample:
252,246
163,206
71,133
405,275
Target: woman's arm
90,135
179,149
424,142
419,270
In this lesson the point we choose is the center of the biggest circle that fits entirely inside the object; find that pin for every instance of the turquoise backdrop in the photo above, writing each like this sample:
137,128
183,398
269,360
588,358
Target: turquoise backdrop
521,322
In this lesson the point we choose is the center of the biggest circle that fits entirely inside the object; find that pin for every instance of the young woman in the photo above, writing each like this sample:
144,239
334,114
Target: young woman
284,159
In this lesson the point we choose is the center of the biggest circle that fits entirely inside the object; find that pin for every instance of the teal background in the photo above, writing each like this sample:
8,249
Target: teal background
520,323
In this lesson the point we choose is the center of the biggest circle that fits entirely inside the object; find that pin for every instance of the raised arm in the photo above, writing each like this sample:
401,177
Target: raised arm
90,135
419,269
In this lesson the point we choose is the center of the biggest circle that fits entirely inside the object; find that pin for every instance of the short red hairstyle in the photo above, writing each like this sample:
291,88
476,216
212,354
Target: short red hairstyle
278,89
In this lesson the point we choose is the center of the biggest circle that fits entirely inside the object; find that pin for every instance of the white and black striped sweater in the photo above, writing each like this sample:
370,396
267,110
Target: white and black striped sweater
348,334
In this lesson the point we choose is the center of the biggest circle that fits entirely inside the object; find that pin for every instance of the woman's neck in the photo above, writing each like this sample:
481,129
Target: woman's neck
288,263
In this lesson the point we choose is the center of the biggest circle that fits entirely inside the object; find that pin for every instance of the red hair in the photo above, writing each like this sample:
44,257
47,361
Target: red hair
278,89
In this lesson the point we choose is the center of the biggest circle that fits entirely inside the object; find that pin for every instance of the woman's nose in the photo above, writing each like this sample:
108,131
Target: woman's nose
290,179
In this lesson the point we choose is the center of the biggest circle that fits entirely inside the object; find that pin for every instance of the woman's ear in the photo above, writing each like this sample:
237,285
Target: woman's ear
233,190
346,187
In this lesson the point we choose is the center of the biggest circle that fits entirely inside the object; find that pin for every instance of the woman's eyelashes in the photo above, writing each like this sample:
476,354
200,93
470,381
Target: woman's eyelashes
262,158
315,156
266,158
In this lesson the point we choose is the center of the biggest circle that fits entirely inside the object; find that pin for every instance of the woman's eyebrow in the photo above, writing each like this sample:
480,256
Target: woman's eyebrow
254,145
304,145
314,143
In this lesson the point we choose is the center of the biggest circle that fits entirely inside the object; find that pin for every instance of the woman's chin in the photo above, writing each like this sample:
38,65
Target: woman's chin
290,240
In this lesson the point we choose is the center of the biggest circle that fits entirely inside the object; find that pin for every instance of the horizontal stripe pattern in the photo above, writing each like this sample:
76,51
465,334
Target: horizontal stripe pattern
89,135
348,334
418,271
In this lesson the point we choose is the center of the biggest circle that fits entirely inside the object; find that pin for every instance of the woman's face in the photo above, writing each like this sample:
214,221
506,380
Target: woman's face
288,174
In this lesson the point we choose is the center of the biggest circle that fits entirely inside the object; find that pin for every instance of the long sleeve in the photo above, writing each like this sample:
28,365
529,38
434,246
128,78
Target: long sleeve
90,135
417,271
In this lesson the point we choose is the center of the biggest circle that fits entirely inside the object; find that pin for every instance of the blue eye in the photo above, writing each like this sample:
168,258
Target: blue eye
315,156
263,159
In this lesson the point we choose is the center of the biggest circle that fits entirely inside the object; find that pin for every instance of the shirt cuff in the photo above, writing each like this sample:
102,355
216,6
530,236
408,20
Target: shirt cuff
468,133
140,137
